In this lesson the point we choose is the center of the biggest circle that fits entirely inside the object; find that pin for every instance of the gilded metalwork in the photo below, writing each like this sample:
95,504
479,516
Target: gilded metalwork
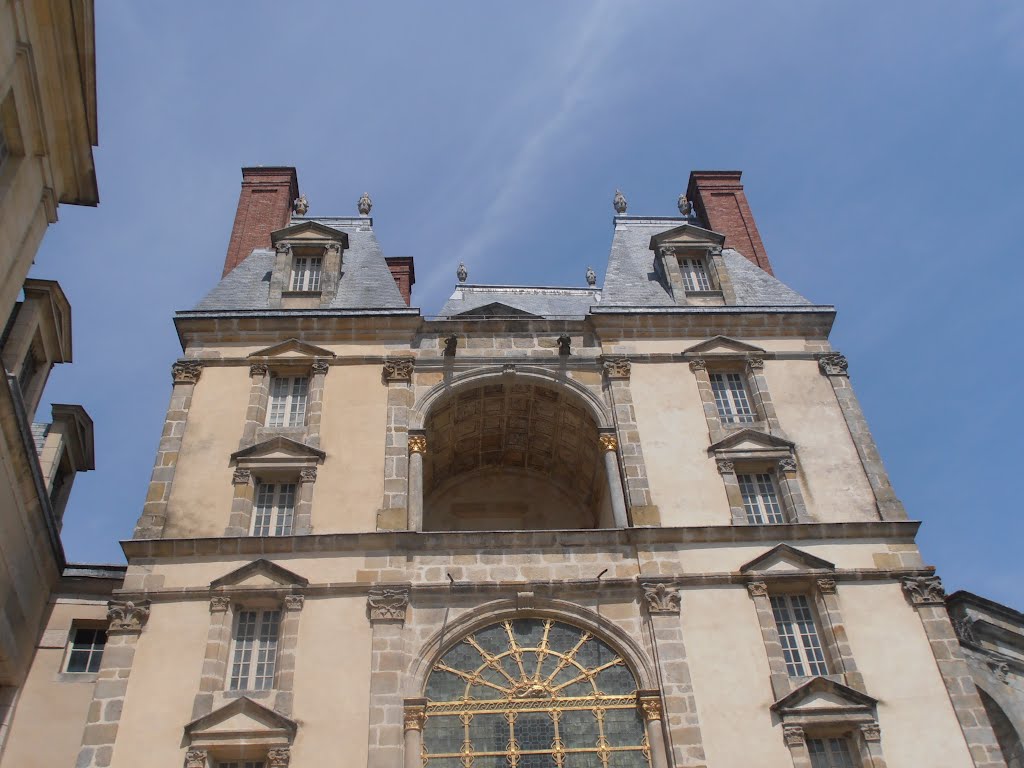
533,693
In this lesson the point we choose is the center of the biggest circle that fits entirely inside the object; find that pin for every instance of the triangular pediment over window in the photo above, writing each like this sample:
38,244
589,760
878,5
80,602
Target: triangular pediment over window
686,234
309,230
495,309
784,558
751,440
292,348
822,696
723,345
260,573
279,449
242,721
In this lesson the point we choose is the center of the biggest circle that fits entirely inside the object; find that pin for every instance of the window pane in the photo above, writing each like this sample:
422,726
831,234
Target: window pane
245,638
86,650
798,635
266,657
297,411
279,387
760,499
263,509
731,398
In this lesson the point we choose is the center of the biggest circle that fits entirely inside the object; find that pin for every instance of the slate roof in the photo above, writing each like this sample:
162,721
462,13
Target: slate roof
498,300
366,281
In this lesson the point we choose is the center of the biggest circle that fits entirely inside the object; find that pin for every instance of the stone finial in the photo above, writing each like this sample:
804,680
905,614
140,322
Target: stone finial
685,206
924,590
127,616
388,603
591,277
462,273
365,204
619,202
661,597
300,205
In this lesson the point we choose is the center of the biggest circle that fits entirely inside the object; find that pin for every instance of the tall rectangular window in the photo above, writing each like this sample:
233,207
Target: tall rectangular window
27,374
731,398
760,499
255,653
274,509
288,401
306,273
830,753
86,650
242,764
798,633
695,277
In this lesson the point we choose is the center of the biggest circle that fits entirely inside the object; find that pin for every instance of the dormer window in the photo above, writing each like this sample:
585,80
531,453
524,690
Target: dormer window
695,276
306,272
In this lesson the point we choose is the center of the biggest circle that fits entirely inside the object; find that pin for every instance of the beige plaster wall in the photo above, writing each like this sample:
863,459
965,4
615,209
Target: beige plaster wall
200,501
685,484
832,477
681,344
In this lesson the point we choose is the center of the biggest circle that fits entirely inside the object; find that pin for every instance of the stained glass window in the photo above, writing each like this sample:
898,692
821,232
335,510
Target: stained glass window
532,693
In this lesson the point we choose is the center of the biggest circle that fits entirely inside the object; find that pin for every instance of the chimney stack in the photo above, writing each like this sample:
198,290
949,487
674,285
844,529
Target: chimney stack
264,205
721,202
404,272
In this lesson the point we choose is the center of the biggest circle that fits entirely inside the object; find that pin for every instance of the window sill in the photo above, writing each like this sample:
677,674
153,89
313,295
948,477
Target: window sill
264,693
76,677
301,294
709,294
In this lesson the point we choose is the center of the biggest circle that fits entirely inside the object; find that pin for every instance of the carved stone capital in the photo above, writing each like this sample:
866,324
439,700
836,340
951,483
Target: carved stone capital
321,366
196,758
700,364
388,603
924,590
757,589
283,248
186,371
794,735
414,715
608,442
417,444
649,704
279,757
714,250
307,475
787,464
871,731
827,586
661,597
219,604
398,369
241,477
126,616
294,602
667,252
258,369
617,367
833,364
755,364
334,245
725,467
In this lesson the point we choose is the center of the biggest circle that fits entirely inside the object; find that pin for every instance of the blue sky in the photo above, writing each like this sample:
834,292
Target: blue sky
880,144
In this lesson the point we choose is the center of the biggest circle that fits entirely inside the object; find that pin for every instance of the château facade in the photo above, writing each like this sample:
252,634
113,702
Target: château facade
641,525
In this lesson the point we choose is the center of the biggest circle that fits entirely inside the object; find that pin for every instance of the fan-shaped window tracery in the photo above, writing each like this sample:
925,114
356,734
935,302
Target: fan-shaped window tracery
532,693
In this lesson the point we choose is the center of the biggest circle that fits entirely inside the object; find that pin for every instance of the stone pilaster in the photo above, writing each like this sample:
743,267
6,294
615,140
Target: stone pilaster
394,513
835,367
287,644
789,486
835,637
241,503
727,469
215,663
758,591
638,489
609,445
723,279
154,512
314,412
707,396
303,523
259,396
763,404
926,594
797,743
386,609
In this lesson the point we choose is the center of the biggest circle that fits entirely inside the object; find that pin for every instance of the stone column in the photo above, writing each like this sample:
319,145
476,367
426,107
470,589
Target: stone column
316,402
871,745
126,622
259,395
926,594
304,502
797,743
789,487
241,503
415,717
835,367
649,703
637,488
394,513
759,391
151,523
417,447
727,469
609,448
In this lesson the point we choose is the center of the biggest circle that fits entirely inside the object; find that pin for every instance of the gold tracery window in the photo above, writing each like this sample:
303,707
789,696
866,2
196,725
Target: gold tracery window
532,693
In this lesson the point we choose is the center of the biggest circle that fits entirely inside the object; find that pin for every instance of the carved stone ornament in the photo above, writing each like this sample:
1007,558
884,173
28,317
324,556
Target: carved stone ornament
617,367
307,475
684,205
794,735
413,717
757,589
279,757
871,731
619,202
127,616
999,666
334,245
398,369
186,372
608,442
219,604
388,603
755,363
451,343
700,364
661,598
564,344
294,602
283,247
365,204
725,467
833,364
963,625
666,252
827,586
649,705
300,205
787,464
241,477
924,590
321,367
462,273
417,444
715,250
258,369
196,758
591,277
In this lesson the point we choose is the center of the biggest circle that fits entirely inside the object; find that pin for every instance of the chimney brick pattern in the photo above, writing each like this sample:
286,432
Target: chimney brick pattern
264,205
721,202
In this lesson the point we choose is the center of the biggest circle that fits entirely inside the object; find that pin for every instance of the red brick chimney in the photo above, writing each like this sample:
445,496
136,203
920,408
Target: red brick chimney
264,205
721,202
404,272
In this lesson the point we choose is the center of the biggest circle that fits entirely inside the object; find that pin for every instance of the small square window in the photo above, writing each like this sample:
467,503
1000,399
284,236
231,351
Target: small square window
731,398
254,657
288,395
799,635
830,753
274,510
306,273
86,650
695,275
761,499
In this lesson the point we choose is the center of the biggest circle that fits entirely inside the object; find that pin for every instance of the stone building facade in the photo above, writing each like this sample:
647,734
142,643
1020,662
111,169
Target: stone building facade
641,525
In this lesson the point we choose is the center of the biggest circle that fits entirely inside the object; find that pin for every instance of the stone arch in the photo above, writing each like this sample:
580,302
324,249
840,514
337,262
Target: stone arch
1007,733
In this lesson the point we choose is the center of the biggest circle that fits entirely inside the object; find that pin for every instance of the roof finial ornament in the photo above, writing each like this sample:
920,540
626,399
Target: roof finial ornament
591,277
685,206
462,273
365,204
619,202
300,205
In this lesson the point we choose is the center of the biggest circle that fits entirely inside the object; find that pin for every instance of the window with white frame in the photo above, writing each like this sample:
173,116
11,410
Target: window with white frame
695,275
288,395
86,650
254,656
761,499
274,510
830,753
731,398
306,273
799,636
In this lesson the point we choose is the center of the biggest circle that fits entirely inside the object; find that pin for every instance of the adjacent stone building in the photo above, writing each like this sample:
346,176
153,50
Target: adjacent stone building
641,525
